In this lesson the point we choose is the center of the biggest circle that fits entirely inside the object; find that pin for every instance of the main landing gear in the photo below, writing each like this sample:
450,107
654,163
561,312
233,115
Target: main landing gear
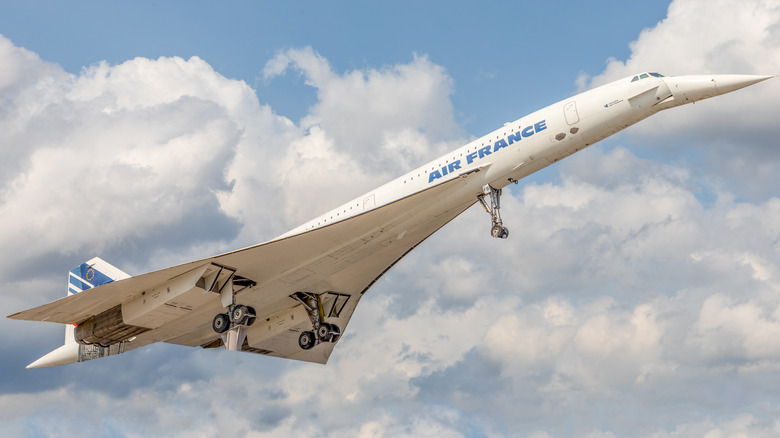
321,330
233,325
492,205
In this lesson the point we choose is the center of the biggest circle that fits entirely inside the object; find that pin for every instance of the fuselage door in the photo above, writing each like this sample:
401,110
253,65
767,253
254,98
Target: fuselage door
570,110
369,202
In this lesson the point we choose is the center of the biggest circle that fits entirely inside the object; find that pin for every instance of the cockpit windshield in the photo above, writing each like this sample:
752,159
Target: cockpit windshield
646,75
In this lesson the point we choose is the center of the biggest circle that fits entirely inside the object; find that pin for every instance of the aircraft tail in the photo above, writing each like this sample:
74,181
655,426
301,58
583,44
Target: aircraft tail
89,274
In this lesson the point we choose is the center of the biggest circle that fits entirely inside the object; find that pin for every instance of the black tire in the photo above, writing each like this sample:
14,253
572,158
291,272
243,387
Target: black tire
251,315
238,314
306,340
324,332
221,323
335,333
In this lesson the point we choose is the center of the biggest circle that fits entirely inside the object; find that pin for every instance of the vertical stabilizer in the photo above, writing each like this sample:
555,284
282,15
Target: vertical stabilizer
90,274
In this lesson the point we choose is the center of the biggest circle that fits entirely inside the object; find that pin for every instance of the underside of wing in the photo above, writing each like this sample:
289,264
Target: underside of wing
329,268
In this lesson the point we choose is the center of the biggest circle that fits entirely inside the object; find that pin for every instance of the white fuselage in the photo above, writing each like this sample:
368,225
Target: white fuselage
519,148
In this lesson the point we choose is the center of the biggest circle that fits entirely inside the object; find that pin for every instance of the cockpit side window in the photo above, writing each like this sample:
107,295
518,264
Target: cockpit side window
645,76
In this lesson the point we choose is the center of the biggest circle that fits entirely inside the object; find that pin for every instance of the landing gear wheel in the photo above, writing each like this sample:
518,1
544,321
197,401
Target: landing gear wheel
335,333
323,333
221,323
328,332
499,232
306,340
238,314
321,330
251,315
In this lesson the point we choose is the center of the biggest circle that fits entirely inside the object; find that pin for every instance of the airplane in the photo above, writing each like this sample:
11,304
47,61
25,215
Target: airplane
292,296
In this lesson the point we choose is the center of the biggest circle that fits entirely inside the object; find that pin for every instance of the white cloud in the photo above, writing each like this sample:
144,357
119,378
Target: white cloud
700,37
366,128
115,153
748,330
121,152
734,136
744,425
624,303
405,105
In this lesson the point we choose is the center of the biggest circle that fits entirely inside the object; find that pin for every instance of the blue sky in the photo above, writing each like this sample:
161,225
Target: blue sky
638,294
502,55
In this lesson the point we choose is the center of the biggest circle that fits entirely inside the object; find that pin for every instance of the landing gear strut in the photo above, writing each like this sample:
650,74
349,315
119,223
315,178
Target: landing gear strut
233,325
492,205
321,330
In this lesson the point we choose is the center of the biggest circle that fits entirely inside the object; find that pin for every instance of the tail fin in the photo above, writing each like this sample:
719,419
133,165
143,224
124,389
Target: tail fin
85,276
92,274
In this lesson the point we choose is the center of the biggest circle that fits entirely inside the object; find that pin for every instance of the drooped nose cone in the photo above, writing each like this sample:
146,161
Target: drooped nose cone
728,83
687,89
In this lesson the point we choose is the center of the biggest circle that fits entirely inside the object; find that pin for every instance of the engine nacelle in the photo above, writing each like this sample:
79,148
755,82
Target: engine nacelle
176,298
106,328
157,306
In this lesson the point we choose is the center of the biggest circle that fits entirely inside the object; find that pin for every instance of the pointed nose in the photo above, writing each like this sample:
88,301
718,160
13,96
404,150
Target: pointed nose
687,89
728,83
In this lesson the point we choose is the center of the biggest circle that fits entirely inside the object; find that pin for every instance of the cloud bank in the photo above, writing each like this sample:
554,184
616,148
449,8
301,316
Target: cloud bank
637,295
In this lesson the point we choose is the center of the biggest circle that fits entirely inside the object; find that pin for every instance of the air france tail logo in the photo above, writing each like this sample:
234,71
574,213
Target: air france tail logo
489,149
85,277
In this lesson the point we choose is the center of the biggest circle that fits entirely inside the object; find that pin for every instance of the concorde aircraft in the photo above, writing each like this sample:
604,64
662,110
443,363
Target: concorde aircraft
291,297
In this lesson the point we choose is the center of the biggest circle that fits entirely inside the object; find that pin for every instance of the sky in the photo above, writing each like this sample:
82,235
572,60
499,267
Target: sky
638,293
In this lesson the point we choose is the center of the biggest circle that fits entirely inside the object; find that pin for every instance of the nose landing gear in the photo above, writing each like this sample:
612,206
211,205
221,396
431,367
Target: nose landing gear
492,206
